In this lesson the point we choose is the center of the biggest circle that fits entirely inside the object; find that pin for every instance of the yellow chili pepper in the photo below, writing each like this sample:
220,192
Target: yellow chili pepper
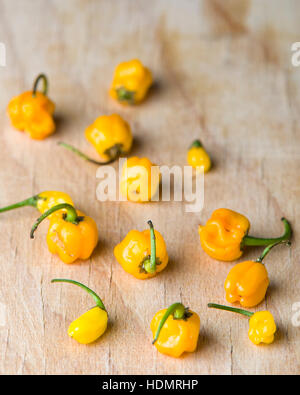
262,326
226,234
142,254
71,234
175,330
43,201
90,325
198,157
131,82
247,282
32,112
139,180
111,137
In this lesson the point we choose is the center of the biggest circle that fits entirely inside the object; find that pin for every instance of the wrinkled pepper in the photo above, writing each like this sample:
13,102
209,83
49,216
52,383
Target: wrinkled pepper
90,325
43,201
140,180
226,234
262,326
247,282
71,234
142,254
131,82
197,157
175,330
111,137
32,111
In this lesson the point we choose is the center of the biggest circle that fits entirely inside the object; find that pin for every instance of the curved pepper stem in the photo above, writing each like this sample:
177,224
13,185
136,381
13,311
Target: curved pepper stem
114,153
150,264
178,311
69,216
268,249
96,298
32,201
36,83
233,309
196,144
257,241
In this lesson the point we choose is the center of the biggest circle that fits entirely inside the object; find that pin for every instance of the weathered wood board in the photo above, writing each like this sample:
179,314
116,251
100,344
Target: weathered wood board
223,73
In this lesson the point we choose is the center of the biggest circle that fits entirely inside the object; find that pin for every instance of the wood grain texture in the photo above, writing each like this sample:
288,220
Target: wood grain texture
223,73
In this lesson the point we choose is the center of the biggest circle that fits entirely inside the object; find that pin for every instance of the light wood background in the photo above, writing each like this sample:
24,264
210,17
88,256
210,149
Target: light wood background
223,73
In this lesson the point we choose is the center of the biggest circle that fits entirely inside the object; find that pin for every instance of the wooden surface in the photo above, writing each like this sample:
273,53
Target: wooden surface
223,73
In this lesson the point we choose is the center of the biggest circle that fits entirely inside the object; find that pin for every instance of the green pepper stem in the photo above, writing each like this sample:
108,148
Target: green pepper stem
152,266
96,298
87,158
178,311
70,216
32,201
257,241
268,249
196,144
125,95
36,83
233,309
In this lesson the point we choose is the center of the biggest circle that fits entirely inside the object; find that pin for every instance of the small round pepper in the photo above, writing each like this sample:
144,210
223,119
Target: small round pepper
32,111
197,157
226,234
131,82
90,325
71,234
111,137
247,282
262,326
140,179
142,254
43,201
175,330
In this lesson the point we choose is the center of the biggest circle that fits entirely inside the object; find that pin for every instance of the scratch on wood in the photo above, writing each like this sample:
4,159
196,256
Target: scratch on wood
227,16
231,352
43,307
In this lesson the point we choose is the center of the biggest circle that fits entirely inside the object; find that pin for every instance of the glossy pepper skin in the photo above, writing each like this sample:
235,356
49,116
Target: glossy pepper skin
110,135
223,233
43,201
90,325
176,334
49,199
138,184
135,251
262,326
198,157
226,233
32,112
131,82
247,283
71,234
